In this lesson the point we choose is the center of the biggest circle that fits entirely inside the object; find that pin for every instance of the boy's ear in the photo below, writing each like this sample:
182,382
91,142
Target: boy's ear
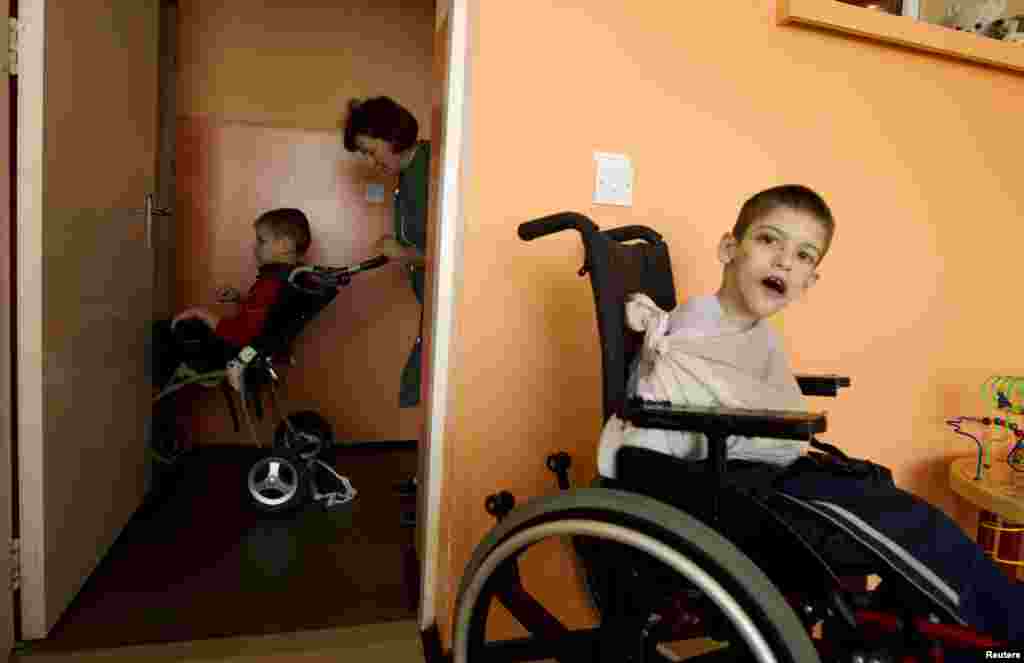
812,278
727,248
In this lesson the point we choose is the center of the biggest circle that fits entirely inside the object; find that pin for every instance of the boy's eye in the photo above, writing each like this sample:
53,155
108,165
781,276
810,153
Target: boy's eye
766,239
805,256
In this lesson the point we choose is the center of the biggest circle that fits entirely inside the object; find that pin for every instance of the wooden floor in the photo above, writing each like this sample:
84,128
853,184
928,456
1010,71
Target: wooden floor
393,642
203,564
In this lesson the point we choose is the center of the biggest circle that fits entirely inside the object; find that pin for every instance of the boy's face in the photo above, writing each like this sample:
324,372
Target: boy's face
270,248
772,266
379,154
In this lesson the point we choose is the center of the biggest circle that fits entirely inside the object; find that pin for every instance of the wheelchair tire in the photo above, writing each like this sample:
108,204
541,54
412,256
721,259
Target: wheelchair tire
665,539
312,433
278,482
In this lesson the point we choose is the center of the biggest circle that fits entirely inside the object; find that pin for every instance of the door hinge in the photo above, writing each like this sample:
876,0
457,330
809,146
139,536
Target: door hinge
11,61
15,564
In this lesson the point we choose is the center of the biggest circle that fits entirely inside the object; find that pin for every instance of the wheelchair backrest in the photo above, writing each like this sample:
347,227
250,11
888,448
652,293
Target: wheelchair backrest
288,316
621,261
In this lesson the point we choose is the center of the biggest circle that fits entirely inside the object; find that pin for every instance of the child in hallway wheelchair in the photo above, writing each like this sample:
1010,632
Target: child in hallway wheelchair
712,530
245,351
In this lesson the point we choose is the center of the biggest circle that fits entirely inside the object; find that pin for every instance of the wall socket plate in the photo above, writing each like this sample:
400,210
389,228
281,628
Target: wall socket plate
613,183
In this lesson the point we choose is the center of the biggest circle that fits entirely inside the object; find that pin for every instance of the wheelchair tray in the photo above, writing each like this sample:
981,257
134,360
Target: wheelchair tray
785,424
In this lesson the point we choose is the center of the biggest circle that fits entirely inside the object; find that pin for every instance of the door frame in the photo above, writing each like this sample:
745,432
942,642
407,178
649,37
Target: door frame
446,263
7,418
28,225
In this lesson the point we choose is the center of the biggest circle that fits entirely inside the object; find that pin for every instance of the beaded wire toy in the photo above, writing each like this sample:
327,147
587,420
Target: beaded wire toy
1007,395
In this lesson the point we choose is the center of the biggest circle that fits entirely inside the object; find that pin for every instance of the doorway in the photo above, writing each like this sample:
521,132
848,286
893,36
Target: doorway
210,242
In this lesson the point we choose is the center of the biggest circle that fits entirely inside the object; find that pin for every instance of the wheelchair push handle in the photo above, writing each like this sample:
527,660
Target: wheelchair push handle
330,278
349,270
554,223
372,263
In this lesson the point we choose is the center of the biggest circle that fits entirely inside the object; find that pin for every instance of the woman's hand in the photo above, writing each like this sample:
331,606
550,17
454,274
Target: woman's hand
211,319
389,246
228,295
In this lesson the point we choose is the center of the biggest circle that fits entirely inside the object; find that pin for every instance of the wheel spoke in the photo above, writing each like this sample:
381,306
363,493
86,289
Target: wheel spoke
550,639
280,475
533,616
626,617
277,482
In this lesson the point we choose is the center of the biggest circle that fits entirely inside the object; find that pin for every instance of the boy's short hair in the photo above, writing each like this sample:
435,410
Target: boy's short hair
287,222
789,196
380,117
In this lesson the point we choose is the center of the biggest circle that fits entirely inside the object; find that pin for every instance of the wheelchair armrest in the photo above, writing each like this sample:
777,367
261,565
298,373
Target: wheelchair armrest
720,421
821,385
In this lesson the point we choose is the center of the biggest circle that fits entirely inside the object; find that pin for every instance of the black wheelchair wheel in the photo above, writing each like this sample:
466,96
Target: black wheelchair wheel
308,434
278,482
653,553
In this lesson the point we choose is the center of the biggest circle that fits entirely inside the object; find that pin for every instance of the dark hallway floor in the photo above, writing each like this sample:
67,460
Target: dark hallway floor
201,563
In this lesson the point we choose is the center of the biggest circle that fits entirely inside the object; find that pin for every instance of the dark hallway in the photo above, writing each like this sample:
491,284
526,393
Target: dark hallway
199,562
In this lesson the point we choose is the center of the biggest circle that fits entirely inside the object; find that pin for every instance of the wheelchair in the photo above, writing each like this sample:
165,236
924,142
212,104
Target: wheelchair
693,560
292,472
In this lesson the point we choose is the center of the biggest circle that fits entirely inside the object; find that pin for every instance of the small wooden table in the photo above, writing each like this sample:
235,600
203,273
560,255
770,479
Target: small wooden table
1001,502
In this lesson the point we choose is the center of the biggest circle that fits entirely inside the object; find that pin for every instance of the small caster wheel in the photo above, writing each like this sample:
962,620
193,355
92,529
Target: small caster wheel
277,482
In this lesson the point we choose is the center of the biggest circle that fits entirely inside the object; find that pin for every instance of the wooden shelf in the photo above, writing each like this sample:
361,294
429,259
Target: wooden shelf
902,30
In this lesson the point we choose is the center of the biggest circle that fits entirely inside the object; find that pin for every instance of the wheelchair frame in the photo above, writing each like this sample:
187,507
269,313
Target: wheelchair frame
857,625
289,469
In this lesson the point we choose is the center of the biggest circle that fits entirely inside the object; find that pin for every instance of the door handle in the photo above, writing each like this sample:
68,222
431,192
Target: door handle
149,221
150,211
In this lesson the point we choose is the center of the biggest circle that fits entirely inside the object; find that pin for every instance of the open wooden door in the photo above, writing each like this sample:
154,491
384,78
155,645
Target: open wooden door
87,154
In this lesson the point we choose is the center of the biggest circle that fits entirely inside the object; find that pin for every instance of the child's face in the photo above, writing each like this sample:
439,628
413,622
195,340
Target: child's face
380,154
270,248
772,266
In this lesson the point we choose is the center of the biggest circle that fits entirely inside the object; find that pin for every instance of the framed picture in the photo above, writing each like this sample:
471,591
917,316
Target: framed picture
887,6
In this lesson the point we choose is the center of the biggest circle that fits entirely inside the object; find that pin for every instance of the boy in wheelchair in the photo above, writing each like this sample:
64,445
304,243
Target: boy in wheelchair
201,340
197,344
719,350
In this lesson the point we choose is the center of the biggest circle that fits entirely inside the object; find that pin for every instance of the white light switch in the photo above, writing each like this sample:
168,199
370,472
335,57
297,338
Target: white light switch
375,193
614,179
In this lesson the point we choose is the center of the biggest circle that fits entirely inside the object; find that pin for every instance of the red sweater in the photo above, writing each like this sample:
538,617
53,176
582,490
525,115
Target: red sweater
252,309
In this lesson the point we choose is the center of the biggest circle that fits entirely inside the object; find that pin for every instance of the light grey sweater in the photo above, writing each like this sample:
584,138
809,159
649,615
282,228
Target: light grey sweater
689,359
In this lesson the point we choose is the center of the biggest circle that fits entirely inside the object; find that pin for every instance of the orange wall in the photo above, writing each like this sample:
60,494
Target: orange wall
912,151
262,91
296,63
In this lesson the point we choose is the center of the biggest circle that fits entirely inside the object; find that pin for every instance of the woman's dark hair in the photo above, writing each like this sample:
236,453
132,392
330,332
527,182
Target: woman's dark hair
380,117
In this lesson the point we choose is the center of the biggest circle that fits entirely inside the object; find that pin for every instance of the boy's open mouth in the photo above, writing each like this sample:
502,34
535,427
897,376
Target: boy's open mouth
775,284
